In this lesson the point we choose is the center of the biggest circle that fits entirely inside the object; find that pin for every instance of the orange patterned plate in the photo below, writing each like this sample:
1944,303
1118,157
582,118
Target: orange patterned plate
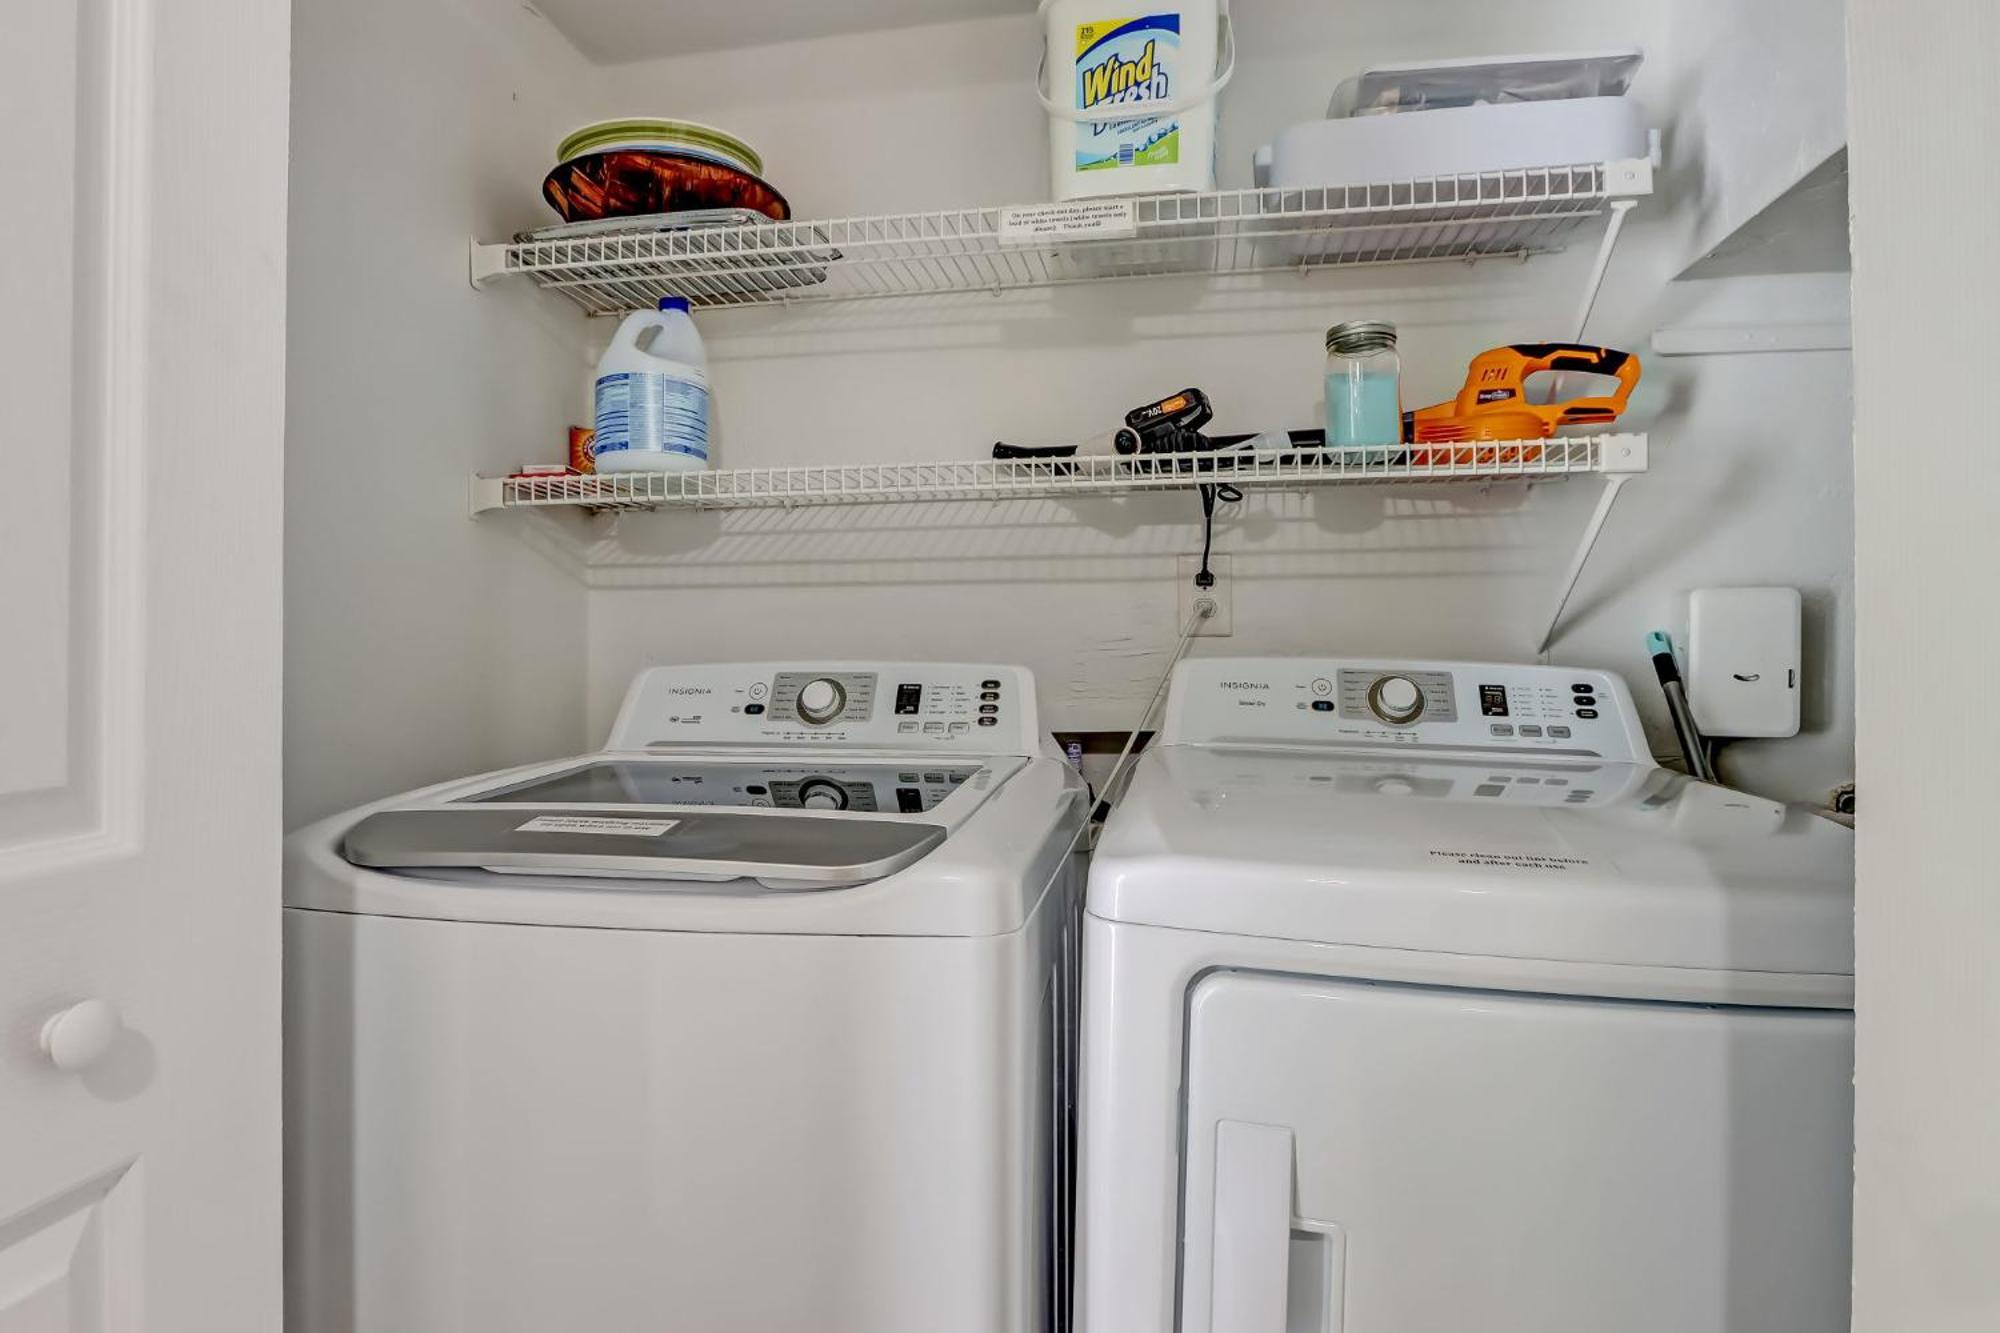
631,183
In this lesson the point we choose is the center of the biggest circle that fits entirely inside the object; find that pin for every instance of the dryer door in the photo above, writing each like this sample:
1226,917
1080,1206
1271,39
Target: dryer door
1377,1158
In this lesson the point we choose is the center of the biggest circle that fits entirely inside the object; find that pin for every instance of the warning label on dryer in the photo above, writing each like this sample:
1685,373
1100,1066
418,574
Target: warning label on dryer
630,828
1510,860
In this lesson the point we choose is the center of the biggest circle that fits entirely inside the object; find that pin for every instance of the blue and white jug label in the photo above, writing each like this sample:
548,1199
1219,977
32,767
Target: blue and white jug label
653,412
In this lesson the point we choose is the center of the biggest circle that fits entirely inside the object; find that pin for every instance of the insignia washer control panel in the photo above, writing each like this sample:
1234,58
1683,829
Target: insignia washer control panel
912,707
821,700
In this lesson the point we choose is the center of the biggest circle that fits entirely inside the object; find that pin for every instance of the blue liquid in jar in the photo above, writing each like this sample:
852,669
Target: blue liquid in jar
1365,408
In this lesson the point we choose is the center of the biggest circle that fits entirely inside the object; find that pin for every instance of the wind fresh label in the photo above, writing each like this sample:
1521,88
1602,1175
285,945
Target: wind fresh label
1135,60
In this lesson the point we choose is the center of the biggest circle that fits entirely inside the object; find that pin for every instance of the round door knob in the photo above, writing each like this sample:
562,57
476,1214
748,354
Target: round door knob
820,701
79,1036
1396,699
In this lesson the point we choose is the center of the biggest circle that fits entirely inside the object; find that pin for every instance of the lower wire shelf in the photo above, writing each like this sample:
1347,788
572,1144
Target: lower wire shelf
1282,469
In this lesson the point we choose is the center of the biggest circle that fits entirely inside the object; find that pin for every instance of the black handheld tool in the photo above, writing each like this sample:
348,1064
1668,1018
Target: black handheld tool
1170,426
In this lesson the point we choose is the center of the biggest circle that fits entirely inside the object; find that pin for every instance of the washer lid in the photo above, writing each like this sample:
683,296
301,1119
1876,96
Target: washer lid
797,852
1578,862
971,859
781,823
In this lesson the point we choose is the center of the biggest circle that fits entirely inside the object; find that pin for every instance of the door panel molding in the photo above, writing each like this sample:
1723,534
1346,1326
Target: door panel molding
70,1263
92,811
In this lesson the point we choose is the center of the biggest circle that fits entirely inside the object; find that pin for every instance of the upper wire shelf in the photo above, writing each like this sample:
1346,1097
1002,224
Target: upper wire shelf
1486,215
992,479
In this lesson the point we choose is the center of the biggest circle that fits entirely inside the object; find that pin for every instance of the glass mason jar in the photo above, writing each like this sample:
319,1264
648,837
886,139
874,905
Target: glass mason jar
1364,388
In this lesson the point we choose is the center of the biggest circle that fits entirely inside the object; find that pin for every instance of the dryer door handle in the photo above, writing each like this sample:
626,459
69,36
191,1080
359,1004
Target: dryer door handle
1251,1247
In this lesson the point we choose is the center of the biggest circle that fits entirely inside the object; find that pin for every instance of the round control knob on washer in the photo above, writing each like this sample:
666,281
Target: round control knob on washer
820,794
1396,700
820,701
1394,786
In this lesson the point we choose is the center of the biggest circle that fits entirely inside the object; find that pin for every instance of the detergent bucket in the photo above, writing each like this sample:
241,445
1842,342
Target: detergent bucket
1131,99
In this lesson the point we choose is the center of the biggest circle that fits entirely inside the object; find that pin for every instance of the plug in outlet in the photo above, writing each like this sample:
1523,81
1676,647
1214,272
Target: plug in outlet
1217,625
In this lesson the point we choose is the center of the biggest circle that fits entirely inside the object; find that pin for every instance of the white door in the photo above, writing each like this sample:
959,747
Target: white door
142,278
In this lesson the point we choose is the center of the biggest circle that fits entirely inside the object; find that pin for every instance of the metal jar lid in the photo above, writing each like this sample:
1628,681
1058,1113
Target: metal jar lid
1358,337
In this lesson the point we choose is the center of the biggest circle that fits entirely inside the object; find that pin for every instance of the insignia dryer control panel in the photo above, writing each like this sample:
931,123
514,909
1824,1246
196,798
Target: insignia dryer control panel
1377,703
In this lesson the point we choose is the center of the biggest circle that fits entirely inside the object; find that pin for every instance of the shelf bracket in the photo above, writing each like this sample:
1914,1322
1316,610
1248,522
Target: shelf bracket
1618,468
1620,210
1613,482
487,493
1632,177
484,263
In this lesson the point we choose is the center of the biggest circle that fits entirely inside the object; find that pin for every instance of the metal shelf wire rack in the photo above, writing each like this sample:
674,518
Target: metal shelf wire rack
1492,214
892,483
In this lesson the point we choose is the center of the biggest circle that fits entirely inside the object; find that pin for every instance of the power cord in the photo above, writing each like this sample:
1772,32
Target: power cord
1204,607
1210,493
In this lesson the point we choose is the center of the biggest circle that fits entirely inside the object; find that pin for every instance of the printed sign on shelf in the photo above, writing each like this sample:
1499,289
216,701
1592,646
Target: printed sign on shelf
1083,220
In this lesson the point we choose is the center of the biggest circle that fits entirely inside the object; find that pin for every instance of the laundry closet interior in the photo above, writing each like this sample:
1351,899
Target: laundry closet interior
991,451
438,645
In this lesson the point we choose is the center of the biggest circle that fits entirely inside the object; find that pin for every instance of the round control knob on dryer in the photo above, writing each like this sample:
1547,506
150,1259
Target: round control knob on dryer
820,701
1394,786
819,794
1396,700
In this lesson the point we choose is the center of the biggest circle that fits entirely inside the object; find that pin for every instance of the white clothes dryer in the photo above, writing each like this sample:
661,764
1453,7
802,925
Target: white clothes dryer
1418,997
756,1021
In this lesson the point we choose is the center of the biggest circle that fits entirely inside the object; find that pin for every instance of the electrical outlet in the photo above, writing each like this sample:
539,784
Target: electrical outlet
1217,625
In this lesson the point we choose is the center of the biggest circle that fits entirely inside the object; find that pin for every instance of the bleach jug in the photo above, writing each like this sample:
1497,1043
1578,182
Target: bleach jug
1131,99
652,394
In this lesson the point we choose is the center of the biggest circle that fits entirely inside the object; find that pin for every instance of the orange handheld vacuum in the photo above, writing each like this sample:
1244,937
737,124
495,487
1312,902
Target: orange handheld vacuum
1493,405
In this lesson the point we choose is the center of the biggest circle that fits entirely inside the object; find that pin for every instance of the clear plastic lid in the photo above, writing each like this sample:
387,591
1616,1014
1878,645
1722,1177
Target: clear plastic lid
1481,80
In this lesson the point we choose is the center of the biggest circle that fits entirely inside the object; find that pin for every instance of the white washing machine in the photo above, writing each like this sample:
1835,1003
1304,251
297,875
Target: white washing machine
1418,998
757,1020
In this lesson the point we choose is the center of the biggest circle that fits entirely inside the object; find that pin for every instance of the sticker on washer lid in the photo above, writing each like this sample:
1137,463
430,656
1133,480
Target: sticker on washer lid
631,828
1511,860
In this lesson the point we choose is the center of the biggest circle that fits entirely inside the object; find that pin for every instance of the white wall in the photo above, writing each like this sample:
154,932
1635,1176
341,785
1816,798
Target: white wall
1927,1156
420,644
1729,82
1750,482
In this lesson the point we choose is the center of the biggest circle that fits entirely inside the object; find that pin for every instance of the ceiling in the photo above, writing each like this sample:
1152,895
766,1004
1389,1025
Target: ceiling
618,31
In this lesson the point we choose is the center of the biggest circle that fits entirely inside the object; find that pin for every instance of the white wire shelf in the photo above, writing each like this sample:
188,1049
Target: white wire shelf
894,483
1489,215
